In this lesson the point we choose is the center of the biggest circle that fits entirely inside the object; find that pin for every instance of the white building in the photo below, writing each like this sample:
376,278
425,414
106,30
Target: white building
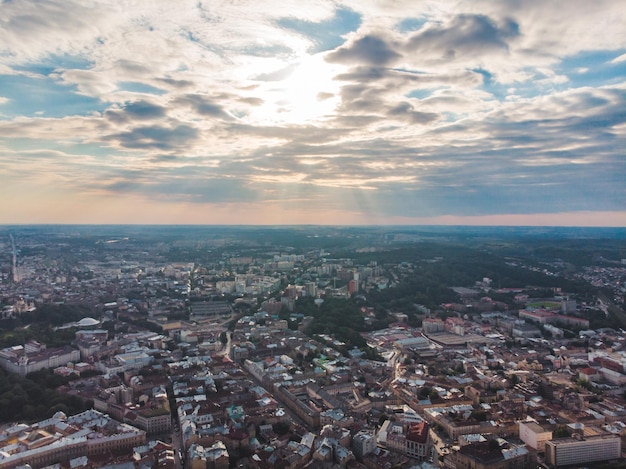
566,451
534,435
34,357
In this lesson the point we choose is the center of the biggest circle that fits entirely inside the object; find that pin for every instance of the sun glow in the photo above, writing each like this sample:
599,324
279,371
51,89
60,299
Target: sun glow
308,94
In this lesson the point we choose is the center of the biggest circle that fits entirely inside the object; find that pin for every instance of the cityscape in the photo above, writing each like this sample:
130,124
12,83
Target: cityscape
312,347
316,234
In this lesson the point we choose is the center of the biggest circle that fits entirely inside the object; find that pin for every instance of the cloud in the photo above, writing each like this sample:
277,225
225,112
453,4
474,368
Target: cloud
369,50
176,84
202,105
43,130
154,138
464,35
28,26
404,110
620,59
184,187
138,110
277,75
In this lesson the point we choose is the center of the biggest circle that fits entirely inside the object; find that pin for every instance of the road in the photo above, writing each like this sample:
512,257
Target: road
177,445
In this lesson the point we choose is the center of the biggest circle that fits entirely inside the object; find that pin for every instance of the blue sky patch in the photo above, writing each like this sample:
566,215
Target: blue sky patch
74,148
328,34
421,93
593,68
44,97
135,87
54,63
411,24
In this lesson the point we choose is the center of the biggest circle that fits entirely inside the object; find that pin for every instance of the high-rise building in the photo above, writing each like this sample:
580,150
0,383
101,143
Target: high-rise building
568,306
580,450
363,443
311,289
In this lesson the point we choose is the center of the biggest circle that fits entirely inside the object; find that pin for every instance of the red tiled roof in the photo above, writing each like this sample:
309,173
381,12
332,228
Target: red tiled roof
418,432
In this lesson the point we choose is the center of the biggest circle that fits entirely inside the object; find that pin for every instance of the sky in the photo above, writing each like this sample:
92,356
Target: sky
477,112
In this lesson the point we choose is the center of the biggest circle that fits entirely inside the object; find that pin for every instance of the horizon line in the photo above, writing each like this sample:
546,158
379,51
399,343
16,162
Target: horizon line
347,225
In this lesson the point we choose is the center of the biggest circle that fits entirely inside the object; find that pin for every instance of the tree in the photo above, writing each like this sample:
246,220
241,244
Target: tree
281,428
561,432
223,338
478,415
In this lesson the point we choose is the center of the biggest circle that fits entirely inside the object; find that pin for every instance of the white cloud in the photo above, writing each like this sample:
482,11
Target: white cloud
217,100
620,59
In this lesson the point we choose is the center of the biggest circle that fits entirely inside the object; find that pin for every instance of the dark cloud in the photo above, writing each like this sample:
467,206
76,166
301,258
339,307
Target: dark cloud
366,104
132,68
203,105
176,83
465,35
155,137
355,121
354,91
369,50
213,105
299,133
369,98
333,161
164,158
549,153
205,108
406,111
535,159
122,186
393,79
251,101
138,110
365,74
482,180
187,183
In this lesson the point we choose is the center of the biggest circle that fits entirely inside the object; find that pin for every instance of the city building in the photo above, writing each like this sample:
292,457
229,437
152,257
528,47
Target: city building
490,454
581,450
432,325
363,443
35,356
61,438
534,435
410,439
203,457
